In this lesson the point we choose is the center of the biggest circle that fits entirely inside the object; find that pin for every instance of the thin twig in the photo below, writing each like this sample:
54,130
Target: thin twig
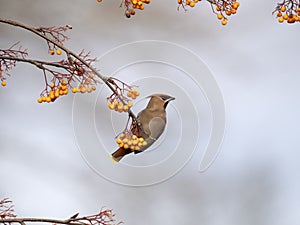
41,34
35,62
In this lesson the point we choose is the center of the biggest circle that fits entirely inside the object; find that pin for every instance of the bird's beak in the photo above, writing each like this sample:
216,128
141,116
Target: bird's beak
169,99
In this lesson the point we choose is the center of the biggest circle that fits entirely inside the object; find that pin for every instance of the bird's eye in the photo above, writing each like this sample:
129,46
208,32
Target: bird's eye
164,97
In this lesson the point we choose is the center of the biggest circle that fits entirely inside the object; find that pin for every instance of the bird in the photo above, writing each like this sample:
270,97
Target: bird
152,121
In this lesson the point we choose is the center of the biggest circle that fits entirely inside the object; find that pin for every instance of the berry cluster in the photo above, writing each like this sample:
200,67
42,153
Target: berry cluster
119,106
139,4
132,93
87,85
60,87
190,3
56,91
120,100
131,5
288,11
131,142
225,8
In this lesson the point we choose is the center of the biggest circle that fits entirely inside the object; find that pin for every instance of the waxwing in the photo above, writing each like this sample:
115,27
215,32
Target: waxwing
153,122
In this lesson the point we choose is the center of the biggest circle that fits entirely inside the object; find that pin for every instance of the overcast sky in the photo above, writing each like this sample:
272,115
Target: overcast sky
49,169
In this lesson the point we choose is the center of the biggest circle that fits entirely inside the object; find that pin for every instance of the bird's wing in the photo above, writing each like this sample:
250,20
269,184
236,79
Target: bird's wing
156,127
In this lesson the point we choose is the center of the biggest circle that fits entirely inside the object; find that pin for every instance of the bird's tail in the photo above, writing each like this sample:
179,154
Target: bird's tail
119,154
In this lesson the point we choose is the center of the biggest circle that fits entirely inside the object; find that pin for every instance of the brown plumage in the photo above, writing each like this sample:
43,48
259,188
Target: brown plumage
153,121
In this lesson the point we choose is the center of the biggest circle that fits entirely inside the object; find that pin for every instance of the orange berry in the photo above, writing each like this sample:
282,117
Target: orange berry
134,137
48,99
279,14
126,146
93,88
224,22
56,93
129,94
83,89
40,100
280,20
125,108
51,52
283,8
111,106
52,85
291,20
285,16
63,82
236,5
74,89
192,4
58,51
218,8
228,13
3,83
52,96
119,108
220,16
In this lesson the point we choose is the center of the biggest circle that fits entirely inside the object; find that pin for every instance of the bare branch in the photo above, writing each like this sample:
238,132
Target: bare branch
78,66
41,33
104,217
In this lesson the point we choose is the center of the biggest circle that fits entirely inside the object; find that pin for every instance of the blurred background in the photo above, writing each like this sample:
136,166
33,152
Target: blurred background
254,59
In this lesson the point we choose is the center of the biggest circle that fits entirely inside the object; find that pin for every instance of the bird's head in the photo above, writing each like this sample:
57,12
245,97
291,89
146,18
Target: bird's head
160,100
